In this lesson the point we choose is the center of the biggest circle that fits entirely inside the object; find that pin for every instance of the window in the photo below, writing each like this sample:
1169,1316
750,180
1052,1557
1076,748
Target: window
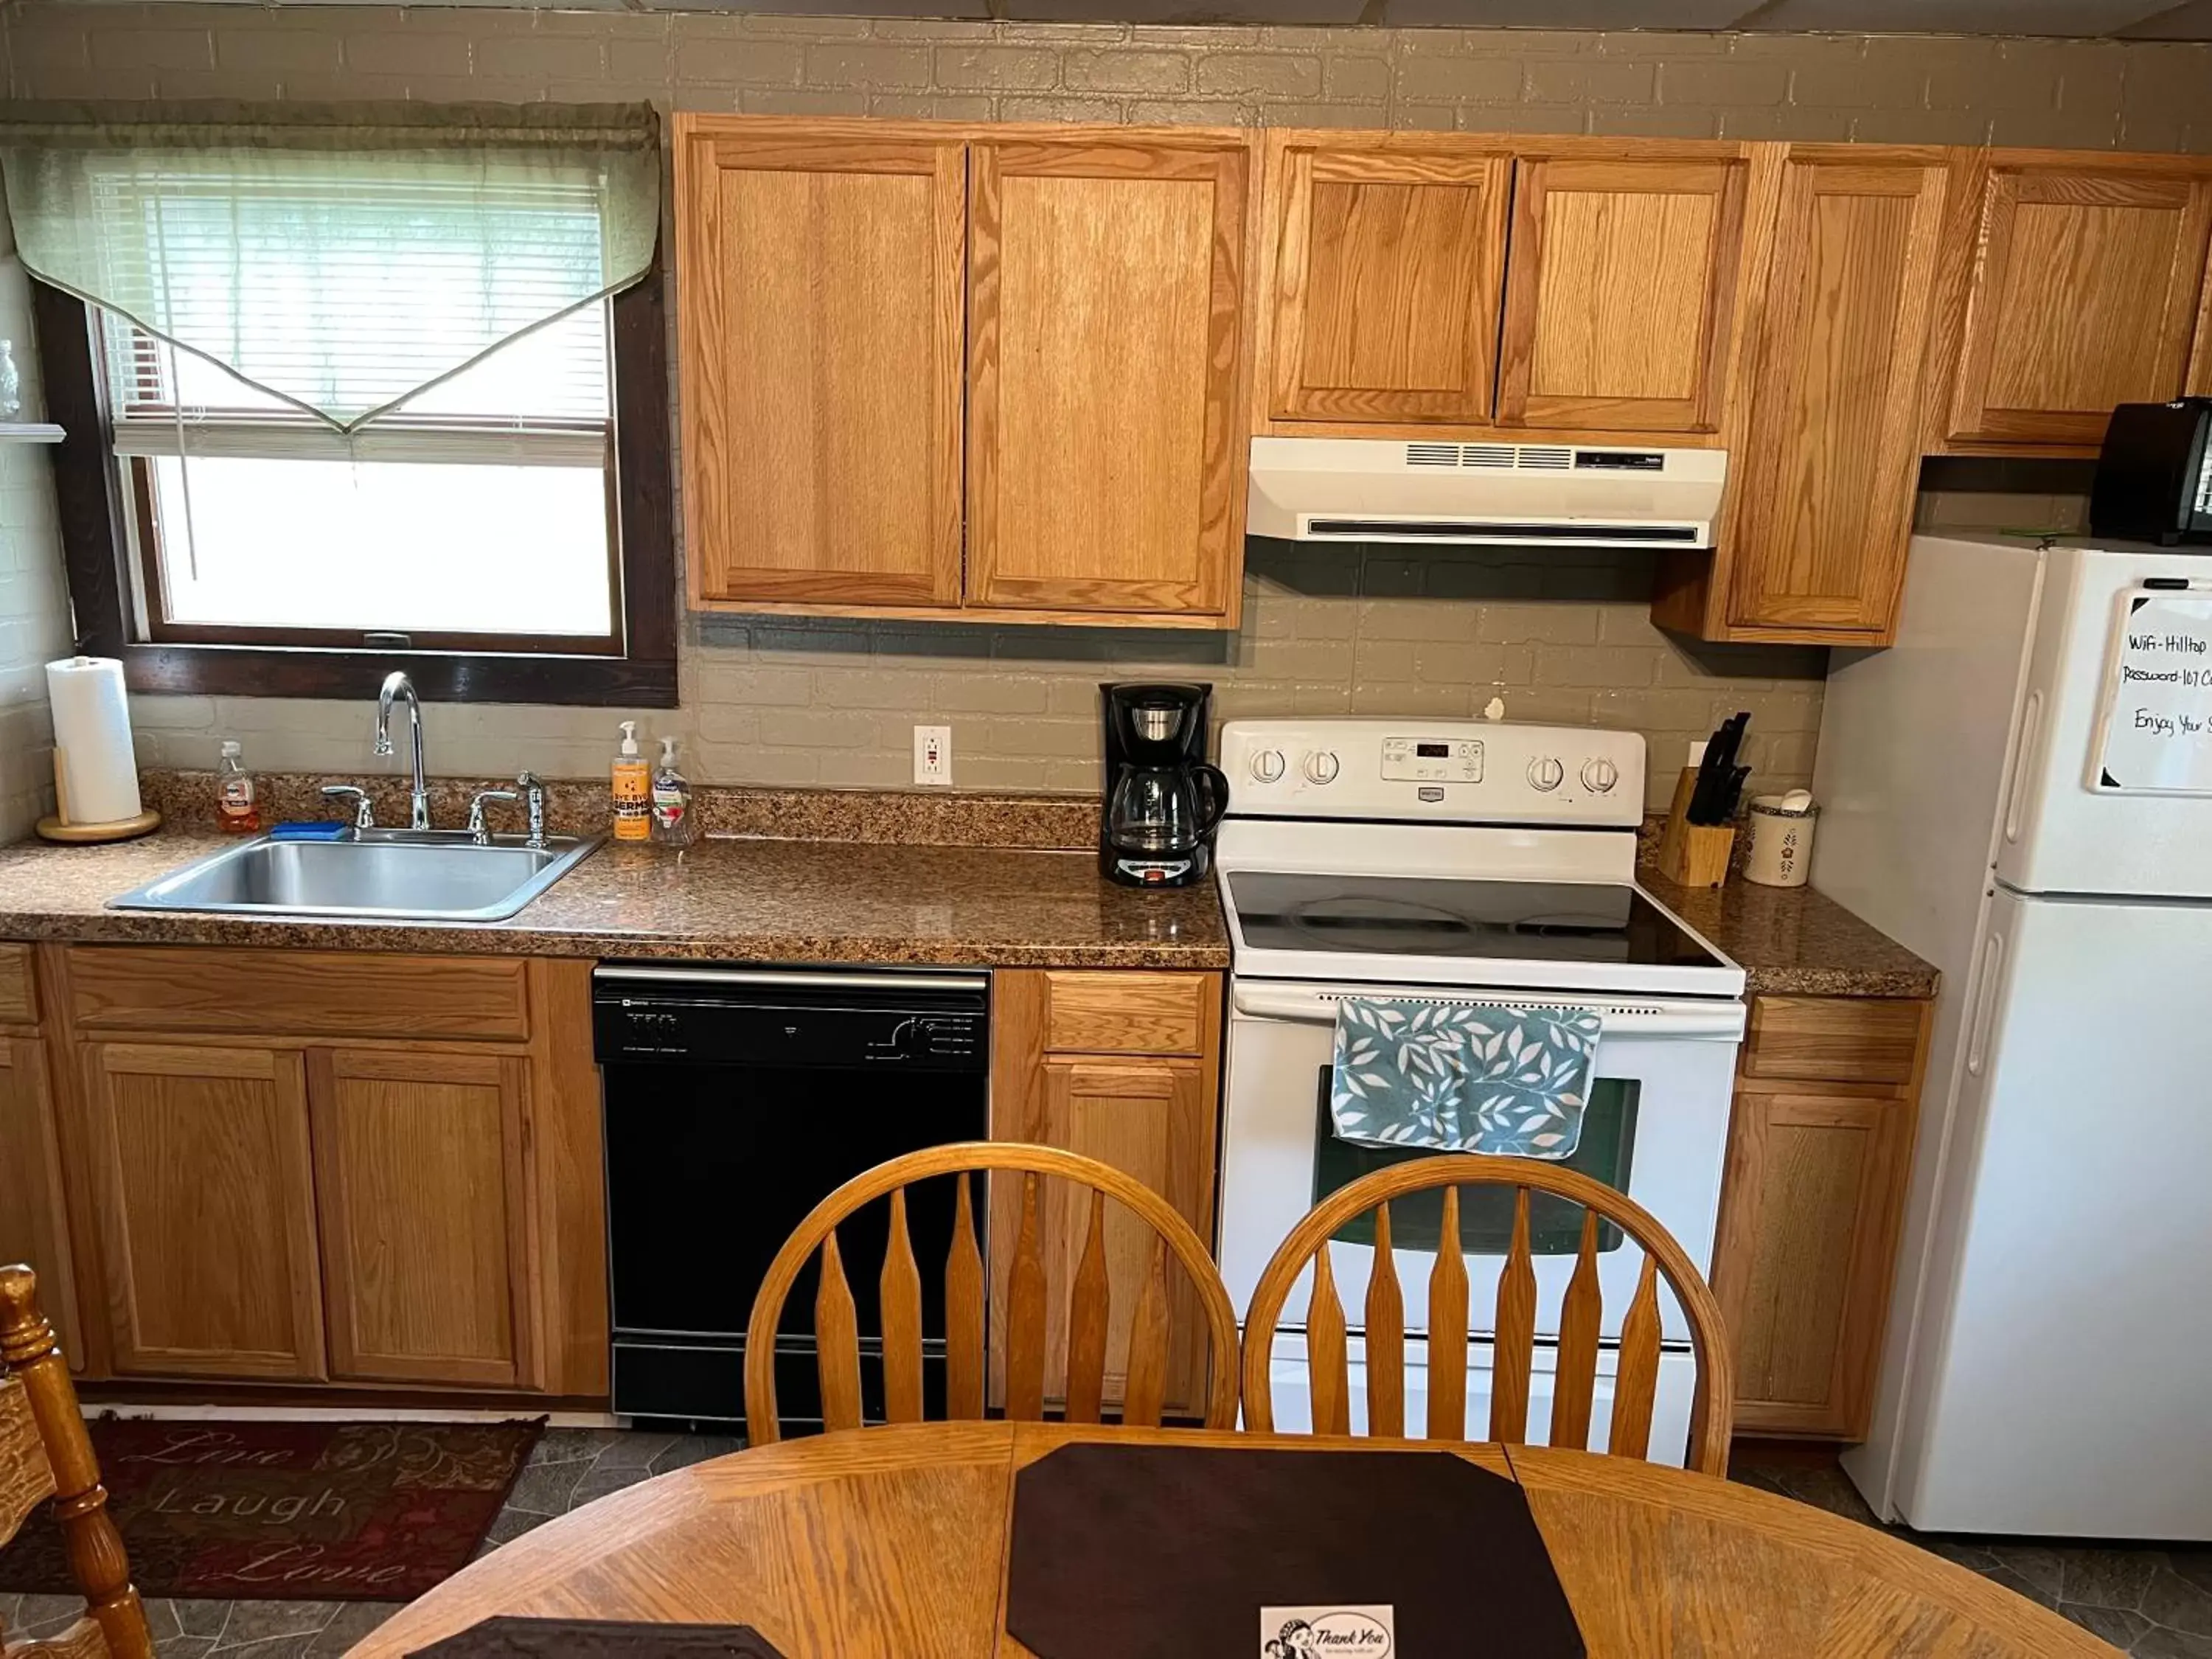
476,515
503,534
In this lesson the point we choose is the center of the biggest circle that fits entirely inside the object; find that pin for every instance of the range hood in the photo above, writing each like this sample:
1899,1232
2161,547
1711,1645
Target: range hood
1372,489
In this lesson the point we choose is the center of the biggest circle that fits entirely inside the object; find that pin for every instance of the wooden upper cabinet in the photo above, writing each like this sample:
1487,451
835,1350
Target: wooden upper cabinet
1825,488
1620,288
821,311
1388,265
1106,434
418,1175
202,1181
2081,278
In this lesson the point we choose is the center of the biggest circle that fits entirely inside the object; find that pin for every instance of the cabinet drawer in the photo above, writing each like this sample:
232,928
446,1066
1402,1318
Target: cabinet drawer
18,1001
296,992
1833,1039
1128,1013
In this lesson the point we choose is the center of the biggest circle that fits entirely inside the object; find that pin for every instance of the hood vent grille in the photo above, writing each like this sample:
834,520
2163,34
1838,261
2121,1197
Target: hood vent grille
1547,457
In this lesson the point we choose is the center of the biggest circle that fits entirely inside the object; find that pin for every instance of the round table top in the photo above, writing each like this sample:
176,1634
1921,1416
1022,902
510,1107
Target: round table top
892,1542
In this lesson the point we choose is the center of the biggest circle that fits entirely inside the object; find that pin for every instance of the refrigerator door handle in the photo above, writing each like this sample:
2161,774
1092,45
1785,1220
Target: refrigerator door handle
2031,729
1985,1005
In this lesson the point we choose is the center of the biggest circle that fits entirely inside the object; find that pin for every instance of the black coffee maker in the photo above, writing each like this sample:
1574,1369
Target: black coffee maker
1163,800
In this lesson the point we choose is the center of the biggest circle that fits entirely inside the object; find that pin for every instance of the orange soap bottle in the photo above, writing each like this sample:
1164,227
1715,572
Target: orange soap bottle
632,788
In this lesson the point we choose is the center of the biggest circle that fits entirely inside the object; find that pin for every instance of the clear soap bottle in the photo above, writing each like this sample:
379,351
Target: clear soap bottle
673,825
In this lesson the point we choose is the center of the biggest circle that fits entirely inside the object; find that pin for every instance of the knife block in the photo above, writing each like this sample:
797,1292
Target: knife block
1693,854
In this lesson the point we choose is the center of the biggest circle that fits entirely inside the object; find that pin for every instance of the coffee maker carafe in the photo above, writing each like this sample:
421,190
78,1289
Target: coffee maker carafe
1163,800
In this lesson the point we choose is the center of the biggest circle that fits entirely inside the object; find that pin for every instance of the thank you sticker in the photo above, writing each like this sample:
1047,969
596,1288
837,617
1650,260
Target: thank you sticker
1329,1629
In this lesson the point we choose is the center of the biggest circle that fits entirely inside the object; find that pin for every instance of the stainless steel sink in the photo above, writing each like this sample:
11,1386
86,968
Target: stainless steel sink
445,876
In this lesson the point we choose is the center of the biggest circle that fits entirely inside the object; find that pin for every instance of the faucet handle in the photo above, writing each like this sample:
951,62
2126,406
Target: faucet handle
534,787
364,811
476,831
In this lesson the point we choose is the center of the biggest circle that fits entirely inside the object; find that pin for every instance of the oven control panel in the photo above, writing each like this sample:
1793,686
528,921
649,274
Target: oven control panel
1452,771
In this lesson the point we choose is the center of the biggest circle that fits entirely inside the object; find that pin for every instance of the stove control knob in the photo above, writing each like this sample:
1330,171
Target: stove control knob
1545,773
1320,766
1600,776
1268,765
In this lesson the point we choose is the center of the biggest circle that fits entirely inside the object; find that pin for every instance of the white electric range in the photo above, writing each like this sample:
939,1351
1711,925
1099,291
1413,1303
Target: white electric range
1462,861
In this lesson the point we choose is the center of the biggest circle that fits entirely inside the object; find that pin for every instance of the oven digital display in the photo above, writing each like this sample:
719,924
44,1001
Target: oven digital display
1433,750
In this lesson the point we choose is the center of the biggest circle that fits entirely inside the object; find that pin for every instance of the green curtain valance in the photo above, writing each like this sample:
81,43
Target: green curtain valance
342,257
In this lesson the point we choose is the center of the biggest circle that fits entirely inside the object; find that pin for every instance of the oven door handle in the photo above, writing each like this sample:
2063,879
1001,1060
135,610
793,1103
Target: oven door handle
1723,1023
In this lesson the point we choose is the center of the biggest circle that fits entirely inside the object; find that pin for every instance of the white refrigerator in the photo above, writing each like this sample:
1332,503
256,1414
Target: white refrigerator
2020,791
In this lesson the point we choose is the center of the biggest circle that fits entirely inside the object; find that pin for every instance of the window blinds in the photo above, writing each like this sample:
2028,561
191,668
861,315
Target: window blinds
340,259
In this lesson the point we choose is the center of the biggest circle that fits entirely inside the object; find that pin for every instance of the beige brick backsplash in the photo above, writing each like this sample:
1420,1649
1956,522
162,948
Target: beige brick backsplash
1560,635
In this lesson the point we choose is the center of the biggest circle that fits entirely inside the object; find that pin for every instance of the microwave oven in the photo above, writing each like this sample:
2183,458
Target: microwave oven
2154,474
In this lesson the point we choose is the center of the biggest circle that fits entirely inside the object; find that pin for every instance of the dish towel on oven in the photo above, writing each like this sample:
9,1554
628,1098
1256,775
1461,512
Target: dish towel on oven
1463,1076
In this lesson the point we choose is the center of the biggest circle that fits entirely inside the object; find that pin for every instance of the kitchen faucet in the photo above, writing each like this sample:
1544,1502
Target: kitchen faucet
397,686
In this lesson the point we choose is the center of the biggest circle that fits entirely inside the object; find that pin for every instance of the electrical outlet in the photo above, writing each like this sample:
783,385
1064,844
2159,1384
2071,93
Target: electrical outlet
932,754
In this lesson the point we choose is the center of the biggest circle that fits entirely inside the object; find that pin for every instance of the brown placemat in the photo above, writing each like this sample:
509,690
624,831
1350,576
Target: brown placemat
1149,1551
287,1512
590,1638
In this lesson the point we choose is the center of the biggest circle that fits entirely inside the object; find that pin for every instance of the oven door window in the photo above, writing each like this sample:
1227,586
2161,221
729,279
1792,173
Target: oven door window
1486,1214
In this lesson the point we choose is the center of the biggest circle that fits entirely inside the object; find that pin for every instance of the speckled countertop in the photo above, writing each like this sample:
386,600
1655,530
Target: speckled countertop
735,899
1792,941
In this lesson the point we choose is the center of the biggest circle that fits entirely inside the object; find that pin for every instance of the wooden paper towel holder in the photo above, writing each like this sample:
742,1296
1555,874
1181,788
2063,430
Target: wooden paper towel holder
60,827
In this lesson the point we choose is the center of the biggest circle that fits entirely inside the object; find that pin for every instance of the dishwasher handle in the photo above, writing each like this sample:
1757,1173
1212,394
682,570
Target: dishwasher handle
779,979
1723,1023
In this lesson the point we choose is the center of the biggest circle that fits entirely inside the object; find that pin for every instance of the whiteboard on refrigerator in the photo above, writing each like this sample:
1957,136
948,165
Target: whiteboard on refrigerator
2154,728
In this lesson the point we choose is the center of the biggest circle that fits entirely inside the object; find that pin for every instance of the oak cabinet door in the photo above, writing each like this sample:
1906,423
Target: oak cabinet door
206,1200
34,1226
1106,442
1620,288
1389,274
418,1169
2083,295
820,289
1813,1194
1825,489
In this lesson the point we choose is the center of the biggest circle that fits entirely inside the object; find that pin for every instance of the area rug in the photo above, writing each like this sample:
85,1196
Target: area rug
288,1511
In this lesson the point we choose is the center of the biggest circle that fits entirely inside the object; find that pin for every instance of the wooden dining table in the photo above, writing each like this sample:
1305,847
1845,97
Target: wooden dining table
893,1542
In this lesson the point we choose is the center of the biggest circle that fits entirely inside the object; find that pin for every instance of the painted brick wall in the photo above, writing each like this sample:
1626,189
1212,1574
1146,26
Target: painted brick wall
1560,637
34,608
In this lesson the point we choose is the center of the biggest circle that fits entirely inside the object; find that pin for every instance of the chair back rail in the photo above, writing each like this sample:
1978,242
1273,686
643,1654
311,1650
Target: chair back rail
1090,1301
1635,1376
41,1423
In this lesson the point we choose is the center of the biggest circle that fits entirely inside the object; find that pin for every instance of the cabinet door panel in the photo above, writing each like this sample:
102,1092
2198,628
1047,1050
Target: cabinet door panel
1389,273
1105,451
2084,297
419,1167
1620,284
1810,1212
822,303
33,1227
1826,490
202,1180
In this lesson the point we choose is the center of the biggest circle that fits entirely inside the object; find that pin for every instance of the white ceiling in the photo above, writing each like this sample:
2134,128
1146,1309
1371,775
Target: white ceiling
2127,19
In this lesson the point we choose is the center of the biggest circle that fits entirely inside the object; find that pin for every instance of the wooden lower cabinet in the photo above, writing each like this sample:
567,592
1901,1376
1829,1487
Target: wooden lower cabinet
1149,1115
33,1228
202,1181
418,1177
1810,1209
330,1201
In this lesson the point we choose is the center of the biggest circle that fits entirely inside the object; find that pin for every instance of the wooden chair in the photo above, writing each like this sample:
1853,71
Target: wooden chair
1022,1340
1636,1378
45,1452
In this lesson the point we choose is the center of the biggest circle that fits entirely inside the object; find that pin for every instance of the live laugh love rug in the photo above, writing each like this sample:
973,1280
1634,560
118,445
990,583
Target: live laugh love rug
289,1511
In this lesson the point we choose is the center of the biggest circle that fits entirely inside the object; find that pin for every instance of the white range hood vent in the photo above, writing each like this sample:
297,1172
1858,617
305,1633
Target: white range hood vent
1374,490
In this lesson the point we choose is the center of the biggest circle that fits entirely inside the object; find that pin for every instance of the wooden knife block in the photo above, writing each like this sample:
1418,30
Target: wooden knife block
1693,854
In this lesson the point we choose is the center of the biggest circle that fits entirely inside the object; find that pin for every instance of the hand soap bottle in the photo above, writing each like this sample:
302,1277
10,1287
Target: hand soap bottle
672,822
237,802
632,789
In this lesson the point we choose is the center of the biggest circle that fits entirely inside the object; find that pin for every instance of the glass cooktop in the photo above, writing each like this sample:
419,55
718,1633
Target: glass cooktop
1449,916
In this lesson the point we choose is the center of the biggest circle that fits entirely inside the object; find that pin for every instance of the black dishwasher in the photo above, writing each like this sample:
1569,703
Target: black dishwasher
738,1099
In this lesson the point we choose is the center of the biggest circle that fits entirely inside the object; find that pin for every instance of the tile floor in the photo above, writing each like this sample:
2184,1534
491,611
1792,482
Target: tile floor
2152,1603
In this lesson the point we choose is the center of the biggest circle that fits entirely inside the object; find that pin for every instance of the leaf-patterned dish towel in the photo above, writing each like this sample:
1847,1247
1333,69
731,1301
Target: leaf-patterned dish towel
1460,1077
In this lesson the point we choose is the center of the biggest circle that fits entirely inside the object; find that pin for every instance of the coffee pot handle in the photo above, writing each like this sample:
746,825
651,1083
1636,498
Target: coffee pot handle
1215,788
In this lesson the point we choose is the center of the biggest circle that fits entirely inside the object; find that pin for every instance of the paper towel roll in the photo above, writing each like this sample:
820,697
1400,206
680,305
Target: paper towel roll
95,770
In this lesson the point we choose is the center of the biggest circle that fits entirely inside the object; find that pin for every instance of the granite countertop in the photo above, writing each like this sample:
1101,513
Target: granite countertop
735,899
1792,941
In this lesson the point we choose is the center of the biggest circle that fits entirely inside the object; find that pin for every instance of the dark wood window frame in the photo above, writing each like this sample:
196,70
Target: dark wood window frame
96,551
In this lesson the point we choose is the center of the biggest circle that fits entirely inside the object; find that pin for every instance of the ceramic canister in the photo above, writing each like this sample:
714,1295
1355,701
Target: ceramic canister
1781,840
